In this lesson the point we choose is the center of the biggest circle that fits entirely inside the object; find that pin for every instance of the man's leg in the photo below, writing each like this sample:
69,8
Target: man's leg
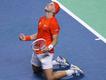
50,74
37,69
36,64
48,69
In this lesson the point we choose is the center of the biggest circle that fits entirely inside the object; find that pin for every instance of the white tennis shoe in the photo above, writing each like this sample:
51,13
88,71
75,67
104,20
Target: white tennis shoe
77,70
62,61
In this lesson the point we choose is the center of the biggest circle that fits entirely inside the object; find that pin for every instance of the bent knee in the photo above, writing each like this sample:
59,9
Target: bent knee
36,69
50,78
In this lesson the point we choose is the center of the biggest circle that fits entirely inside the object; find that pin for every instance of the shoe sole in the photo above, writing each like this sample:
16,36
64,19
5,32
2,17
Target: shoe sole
76,67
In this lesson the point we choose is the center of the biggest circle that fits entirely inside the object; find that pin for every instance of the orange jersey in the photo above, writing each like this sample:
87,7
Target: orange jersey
47,28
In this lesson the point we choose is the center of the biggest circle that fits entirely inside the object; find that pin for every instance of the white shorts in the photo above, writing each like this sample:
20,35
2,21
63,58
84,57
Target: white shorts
43,60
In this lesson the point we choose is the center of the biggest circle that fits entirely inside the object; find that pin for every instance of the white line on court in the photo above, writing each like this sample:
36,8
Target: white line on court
81,22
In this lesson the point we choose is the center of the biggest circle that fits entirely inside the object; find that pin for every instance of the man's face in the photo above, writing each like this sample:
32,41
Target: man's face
50,7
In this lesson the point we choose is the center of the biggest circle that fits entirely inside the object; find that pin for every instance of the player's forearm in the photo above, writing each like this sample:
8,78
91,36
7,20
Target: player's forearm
33,36
55,40
29,37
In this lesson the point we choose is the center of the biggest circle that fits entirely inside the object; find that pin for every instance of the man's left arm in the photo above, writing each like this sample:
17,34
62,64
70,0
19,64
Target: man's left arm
54,42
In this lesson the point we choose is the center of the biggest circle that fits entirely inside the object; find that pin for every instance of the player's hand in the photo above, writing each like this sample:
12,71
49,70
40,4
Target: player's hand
46,49
22,36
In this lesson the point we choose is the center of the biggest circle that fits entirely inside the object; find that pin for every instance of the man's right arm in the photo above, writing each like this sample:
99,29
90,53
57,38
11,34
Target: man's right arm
27,37
33,36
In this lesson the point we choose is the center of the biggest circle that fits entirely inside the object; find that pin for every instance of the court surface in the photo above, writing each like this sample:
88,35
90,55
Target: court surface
76,43
91,11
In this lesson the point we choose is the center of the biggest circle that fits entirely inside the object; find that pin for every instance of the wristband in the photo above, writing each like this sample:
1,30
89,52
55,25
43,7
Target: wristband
50,46
27,38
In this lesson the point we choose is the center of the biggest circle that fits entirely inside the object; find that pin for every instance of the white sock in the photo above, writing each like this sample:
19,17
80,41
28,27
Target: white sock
54,62
69,72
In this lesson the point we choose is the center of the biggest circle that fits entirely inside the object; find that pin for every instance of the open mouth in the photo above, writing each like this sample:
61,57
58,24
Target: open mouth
46,10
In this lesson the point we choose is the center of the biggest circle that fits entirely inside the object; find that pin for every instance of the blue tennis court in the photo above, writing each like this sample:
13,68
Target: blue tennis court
76,43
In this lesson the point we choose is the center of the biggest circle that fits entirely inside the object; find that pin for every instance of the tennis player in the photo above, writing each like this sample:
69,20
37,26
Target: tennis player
48,29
